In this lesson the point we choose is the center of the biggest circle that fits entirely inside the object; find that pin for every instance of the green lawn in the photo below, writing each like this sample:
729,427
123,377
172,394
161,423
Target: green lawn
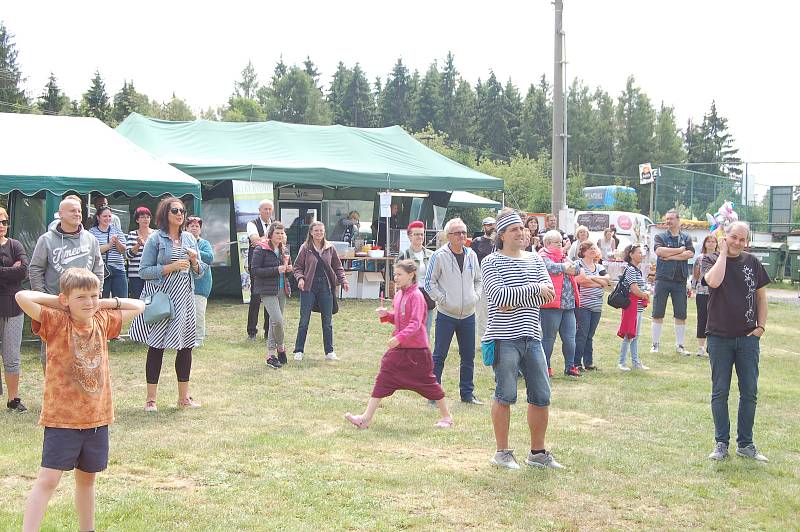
270,449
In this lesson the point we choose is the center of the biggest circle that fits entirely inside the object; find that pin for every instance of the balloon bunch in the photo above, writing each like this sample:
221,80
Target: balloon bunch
724,216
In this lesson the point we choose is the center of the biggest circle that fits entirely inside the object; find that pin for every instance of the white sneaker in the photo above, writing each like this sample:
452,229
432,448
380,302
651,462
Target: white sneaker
654,348
505,458
331,356
640,366
682,351
701,351
623,367
298,356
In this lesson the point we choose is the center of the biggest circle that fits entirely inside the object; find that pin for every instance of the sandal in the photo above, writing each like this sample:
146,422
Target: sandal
188,403
150,406
358,421
444,423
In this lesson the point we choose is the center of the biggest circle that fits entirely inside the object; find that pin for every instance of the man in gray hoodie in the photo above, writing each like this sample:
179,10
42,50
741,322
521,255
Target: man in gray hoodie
453,280
65,246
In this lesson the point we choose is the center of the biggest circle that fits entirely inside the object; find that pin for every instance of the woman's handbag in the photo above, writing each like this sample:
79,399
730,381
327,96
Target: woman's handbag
428,300
157,307
619,297
329,268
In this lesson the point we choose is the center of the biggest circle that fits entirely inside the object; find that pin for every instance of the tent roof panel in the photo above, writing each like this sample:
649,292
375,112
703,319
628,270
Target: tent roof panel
59,154
296,153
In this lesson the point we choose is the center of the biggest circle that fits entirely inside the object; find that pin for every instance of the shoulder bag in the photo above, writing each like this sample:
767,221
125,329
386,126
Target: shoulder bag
619,296
157,306
328,267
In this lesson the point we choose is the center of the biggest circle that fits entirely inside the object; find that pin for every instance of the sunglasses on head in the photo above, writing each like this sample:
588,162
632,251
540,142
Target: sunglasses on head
177,210
5,222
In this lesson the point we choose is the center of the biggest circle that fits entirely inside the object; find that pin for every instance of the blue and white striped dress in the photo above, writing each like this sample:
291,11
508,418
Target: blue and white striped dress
514,284
176,333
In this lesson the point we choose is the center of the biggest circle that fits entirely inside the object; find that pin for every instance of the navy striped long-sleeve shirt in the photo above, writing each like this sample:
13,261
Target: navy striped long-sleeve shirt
513,285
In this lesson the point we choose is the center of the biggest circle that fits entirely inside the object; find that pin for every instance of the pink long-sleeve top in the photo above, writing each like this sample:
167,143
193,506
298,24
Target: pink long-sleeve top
408,314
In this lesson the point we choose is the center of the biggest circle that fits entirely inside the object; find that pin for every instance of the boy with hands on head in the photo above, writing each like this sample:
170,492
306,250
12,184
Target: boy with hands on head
76,408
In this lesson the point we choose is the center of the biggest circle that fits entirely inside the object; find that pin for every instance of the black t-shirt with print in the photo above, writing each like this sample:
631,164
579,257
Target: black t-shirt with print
732,307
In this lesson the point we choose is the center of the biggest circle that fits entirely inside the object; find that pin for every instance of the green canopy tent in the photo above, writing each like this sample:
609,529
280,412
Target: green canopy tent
339,156
44,157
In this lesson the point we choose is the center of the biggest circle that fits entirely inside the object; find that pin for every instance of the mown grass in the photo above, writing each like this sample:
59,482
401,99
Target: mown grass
270,449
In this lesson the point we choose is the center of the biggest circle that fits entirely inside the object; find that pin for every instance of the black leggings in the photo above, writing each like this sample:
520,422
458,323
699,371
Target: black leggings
701,300
183,364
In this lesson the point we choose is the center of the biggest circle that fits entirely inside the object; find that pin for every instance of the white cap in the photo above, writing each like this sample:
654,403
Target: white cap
489,221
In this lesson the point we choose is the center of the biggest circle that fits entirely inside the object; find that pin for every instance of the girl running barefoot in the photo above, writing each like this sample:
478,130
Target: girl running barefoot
408,363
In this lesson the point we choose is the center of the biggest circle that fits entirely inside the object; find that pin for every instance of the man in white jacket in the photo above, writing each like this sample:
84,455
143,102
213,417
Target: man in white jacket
453,280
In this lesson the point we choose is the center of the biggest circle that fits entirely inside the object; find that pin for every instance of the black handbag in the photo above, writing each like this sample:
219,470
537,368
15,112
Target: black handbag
428,300
619,296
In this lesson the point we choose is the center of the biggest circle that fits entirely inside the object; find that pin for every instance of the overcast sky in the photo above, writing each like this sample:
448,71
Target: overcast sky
684,53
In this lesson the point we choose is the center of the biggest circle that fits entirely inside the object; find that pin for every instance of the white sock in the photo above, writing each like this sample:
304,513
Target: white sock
656,332
680,333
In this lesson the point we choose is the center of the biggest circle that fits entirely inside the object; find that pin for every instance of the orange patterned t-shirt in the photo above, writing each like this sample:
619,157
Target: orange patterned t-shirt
77,384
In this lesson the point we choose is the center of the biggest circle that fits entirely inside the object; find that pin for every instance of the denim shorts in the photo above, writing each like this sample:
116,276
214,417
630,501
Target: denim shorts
675,289
525,355
67,449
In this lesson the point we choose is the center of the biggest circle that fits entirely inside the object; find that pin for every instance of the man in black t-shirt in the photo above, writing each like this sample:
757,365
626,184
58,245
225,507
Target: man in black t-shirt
737,317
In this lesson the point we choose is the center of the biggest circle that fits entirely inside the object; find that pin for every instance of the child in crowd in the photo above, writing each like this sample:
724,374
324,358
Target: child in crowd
408,363
76,408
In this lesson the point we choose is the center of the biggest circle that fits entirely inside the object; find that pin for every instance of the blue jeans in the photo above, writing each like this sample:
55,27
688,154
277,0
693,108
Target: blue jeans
724,354
634,344
116,284
135,287
325,300
520,355
464,330
561,321
587,322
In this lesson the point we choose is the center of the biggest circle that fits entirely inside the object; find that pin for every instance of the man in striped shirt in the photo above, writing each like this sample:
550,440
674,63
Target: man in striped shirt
517,284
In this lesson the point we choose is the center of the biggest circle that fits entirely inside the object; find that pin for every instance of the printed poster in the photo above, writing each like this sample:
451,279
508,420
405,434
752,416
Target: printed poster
246,197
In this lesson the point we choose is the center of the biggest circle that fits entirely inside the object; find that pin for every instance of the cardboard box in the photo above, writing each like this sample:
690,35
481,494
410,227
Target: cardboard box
369,285
352,279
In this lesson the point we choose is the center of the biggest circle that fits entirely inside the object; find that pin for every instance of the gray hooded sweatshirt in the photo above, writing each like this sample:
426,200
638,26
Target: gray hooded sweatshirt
55,252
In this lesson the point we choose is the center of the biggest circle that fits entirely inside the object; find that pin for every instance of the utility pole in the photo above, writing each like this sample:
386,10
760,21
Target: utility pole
559,196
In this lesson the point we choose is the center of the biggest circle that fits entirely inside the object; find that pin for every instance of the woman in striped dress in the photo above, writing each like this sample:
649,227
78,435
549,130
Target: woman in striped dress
134,247
170,263
112,247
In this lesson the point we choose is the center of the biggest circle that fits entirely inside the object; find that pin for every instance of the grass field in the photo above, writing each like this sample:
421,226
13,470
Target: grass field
270,449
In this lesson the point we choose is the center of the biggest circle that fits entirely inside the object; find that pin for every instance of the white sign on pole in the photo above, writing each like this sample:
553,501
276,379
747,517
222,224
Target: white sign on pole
646,174
386,204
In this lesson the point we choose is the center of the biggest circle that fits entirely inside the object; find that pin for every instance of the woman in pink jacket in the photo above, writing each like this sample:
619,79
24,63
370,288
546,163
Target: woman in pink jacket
408,363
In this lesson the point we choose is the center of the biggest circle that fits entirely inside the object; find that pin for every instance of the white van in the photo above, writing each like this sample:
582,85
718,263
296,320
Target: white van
631,226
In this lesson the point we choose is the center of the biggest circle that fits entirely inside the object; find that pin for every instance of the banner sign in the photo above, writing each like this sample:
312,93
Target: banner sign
246,197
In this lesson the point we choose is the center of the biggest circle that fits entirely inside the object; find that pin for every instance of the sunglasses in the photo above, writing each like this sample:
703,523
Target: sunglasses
5,222
462,233
177,210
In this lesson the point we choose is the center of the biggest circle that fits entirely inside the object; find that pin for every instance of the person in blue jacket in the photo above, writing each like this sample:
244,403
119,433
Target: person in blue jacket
202,285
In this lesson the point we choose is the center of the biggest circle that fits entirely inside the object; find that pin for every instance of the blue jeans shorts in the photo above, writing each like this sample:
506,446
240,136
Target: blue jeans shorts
525,355
67,449
674,289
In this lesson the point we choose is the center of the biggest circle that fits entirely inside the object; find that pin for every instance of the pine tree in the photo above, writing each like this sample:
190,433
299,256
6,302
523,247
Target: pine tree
603,136
536,124
358,105
512,104
394,104
718,143
636,126
336,95
12,96
53,101
580,126
449,85
178,110
128,101
493,134
280,70
462,125
311,69
428,101
95,100
247,87
669,141
296,99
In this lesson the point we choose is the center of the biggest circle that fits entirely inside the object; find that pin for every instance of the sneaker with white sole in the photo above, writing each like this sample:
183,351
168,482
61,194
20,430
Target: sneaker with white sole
720,451
701,352
640,366
505,458
654,348
331,356
544,459
623,367
751,452
298,356
682,351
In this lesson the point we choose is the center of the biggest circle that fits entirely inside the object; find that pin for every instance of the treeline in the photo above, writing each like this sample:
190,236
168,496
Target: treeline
488,124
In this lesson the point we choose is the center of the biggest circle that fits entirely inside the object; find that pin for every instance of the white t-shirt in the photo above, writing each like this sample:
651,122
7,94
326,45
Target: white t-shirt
252,230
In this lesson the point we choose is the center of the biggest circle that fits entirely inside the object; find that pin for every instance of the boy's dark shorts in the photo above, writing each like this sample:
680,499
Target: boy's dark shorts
67,449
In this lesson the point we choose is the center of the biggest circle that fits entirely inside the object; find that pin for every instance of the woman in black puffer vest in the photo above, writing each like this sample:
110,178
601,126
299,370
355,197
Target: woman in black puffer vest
268,272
